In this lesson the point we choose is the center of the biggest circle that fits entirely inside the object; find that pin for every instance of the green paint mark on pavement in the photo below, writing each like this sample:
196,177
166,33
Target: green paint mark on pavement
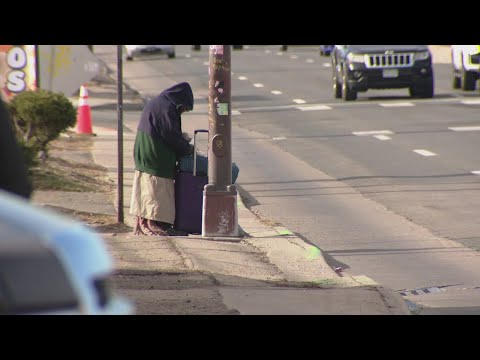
314,253
283,231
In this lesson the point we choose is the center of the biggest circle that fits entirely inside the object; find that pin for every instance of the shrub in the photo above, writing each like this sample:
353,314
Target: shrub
39,117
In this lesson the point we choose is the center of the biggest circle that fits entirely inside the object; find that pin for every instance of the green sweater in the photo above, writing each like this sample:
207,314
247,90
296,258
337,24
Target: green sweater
153,156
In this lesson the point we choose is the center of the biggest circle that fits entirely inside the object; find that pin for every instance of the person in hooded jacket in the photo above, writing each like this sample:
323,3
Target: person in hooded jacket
158,144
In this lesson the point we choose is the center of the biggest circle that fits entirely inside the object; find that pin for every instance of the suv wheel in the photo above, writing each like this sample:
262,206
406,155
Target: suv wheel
468,81
337,87
457,82
171,55
347,93
424,89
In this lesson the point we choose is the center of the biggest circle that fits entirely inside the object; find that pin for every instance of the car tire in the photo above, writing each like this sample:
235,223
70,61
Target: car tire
468,81
457,82
237,47
129,58
347,93
423,90
171,55
337,87
196,47
284,47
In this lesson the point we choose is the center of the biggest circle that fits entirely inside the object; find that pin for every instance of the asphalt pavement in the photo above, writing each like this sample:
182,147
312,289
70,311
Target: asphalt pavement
267,270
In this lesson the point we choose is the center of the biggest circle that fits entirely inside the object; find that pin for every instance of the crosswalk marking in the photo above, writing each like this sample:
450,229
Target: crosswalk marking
372,132
314,108
464,128
400,104
382,137
424,152
471,102
299,101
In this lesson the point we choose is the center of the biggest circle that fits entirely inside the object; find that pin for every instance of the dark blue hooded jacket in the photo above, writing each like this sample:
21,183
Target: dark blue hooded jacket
159,141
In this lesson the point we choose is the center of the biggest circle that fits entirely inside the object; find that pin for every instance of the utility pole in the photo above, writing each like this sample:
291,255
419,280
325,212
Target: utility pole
220,213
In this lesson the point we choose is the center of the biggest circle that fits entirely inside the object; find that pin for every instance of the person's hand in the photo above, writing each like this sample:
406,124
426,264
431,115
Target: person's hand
186,136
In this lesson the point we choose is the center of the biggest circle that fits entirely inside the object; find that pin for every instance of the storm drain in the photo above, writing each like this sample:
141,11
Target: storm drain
424,291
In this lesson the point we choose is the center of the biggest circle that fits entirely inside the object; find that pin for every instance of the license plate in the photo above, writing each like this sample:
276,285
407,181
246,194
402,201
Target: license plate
390,73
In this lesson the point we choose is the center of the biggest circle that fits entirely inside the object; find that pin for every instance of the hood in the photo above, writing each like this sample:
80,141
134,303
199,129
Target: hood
383,48
180,94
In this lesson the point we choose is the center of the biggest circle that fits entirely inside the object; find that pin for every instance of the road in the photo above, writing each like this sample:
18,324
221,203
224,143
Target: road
386,186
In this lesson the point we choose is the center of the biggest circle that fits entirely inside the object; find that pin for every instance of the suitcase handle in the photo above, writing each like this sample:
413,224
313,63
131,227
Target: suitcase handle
195,149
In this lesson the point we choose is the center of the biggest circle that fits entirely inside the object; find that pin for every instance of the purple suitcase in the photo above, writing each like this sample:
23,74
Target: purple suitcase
189,198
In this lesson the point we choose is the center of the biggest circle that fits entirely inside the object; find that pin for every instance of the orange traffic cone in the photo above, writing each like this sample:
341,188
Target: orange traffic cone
84,115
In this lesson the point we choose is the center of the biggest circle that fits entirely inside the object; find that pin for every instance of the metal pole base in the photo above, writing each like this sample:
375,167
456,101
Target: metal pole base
220,213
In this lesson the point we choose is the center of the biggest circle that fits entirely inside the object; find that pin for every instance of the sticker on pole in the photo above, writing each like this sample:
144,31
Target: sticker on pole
222,109
217,49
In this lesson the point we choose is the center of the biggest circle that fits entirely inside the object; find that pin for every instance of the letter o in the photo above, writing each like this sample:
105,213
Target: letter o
16,58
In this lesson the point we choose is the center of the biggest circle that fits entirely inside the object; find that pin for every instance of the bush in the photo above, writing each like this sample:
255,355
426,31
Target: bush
39,117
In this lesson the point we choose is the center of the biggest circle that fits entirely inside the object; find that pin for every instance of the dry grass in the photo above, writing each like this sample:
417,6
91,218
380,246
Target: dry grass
70,168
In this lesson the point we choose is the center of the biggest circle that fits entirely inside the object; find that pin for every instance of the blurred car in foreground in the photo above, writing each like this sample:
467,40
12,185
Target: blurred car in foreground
326,50
139,50
51,265
357,68
466,66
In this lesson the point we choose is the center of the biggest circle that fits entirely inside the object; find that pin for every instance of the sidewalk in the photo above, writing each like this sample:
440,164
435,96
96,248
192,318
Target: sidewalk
267,271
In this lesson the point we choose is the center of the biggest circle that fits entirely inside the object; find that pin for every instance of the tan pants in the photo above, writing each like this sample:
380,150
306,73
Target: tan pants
153,198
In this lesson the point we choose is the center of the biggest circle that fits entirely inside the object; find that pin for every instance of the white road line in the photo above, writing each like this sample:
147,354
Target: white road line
246,46
280,53
314,108
471,102
372,132
188,55
382,137
258,85
276,92
242,78
310,61
327,65
399,104
351,105
424,152
464,128
236,112
279,138
206,63
299,101
294,57
476,172
268,51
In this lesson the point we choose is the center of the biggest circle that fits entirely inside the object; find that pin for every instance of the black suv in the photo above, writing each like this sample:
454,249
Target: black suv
357,68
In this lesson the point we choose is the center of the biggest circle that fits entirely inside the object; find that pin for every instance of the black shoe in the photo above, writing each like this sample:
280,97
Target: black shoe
173,232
